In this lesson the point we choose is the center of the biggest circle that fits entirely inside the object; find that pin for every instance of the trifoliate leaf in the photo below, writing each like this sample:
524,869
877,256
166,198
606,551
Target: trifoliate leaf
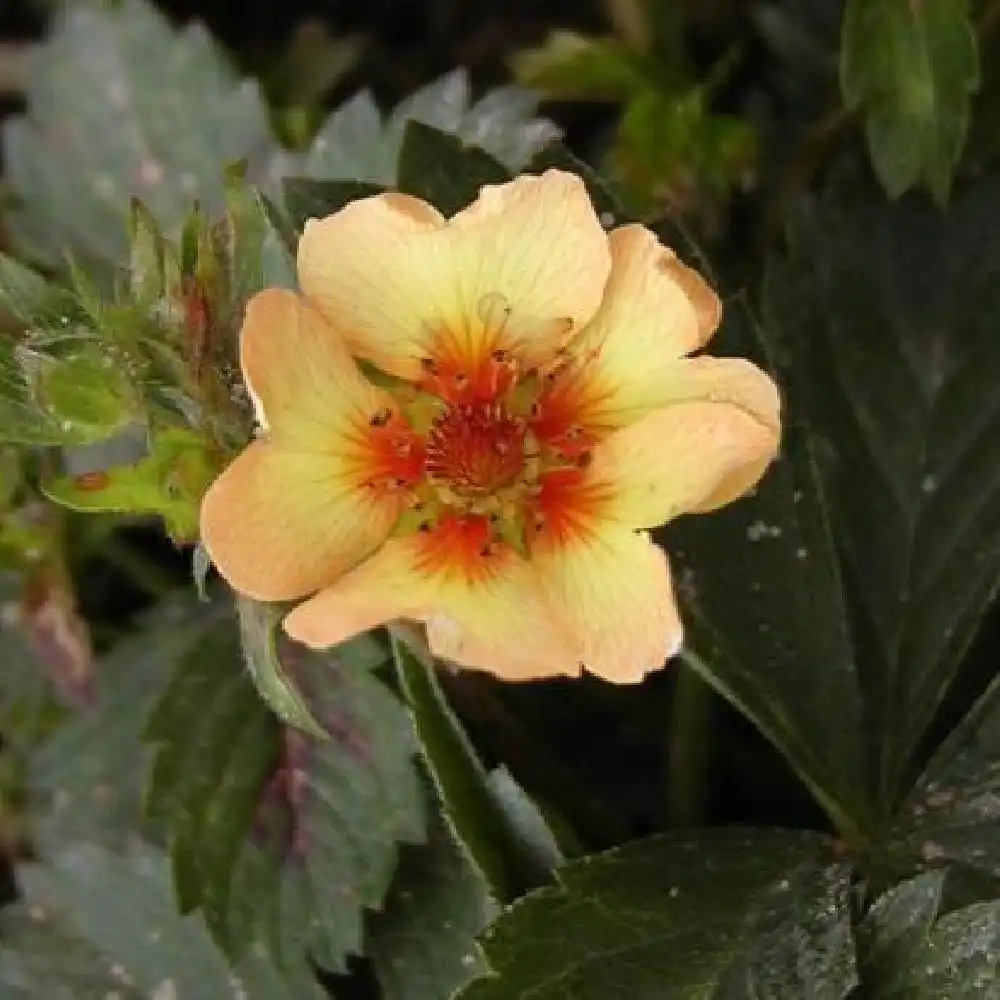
711,915
911,67
121,104
263,820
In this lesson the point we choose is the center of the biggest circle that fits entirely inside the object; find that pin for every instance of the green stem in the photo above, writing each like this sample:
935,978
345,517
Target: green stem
689,749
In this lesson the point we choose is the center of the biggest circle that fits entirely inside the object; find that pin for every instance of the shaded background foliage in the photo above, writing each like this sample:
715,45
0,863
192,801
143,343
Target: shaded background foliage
842,618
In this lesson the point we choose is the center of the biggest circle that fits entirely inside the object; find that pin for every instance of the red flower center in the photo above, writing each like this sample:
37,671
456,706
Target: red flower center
475,448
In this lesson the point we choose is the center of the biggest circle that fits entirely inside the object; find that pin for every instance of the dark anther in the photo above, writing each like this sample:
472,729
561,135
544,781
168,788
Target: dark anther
486,550
381,417
424,527
499,356
584,459
429,365
461,379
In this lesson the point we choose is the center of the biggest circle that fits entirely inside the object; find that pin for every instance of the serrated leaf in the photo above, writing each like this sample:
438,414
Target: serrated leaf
264,821
715,915
767,624
121,907
911,66
574,67
423,941
86,780
888,320
121,104
355,143
442,170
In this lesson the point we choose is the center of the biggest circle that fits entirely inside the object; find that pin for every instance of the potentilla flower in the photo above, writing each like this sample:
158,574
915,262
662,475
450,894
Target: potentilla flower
524,409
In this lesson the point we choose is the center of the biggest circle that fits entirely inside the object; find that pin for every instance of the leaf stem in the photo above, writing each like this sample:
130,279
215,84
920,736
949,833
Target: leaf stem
689,750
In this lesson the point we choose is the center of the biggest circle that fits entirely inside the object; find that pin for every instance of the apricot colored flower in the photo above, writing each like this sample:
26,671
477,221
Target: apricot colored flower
472,422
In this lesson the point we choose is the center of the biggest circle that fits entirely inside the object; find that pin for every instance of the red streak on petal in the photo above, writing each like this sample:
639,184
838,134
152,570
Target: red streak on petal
566,507
395,454
458,375
458,544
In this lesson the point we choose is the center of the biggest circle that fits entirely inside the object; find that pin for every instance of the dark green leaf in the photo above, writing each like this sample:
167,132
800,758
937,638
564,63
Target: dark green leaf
888,321
307,199
952,817
32,299
423,942
767,623
120,104
263,820
493,833
910,952
120,907
715,915
442,170
911,66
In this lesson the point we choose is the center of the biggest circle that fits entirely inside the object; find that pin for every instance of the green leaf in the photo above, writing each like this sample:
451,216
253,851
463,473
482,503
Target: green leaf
712,915
911,952
911,67
574,67
263,820
86,780
951,816
32,299
39,959
766,618
355,144
26,415
87,389
442,170
423,941
121,104
170,482
120,907
895,930
258,623
888,320
306,198
494,834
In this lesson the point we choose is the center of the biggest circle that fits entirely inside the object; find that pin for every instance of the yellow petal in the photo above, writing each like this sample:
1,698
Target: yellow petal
687,457
655,310
517,270
280,524
495,622
613,587
304,382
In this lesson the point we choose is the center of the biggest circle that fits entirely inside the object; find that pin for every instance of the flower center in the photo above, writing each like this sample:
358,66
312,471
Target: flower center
475,448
